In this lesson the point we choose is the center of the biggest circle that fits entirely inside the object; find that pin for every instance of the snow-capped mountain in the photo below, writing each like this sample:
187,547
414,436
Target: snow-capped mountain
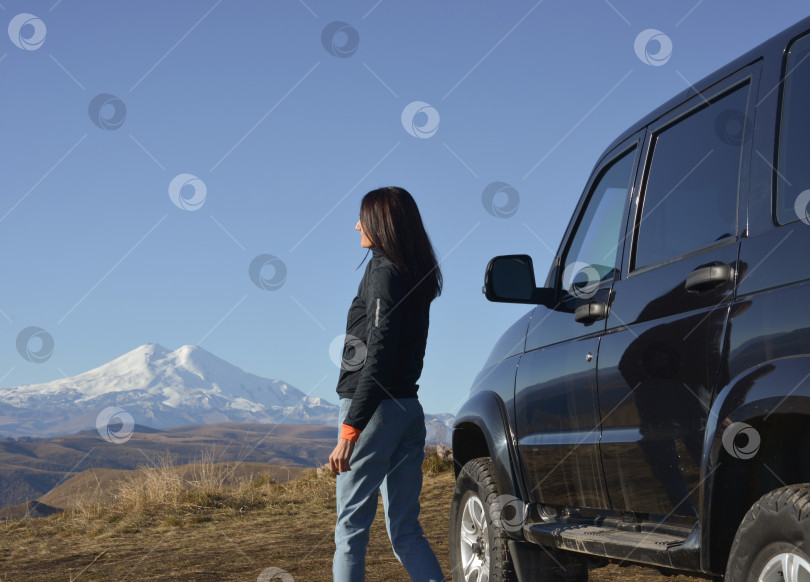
161,388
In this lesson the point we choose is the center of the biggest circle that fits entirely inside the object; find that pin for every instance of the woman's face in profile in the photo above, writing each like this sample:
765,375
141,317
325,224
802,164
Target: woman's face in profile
365,242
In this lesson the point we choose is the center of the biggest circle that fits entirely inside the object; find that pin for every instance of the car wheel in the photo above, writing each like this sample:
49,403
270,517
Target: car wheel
478,550
773,540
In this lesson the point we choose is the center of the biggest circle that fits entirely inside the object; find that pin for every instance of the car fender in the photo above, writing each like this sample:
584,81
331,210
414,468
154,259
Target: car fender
485,414
756,398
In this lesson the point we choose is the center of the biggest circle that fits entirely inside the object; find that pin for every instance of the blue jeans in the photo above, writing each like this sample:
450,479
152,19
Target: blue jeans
388,456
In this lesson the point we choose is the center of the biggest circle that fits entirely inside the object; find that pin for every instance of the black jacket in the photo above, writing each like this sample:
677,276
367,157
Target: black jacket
386,334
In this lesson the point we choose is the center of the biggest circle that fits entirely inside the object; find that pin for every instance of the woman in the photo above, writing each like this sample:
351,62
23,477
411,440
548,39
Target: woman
382,425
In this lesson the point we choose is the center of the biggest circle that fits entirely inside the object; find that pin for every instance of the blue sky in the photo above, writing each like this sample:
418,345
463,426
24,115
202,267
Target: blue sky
286,137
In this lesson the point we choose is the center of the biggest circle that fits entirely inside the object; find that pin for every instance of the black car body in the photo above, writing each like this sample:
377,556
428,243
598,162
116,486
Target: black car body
659,389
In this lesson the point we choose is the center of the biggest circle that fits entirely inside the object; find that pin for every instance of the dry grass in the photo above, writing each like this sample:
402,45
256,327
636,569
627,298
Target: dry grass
194,523
437,460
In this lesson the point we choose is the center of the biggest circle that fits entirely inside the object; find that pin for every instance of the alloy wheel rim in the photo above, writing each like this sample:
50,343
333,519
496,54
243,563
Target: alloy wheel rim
473,541
786,567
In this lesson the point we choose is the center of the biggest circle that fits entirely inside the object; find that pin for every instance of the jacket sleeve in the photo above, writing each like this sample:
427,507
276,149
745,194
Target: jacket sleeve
385,293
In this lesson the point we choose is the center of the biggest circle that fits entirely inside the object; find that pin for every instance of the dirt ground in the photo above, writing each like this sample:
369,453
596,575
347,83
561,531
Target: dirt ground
227,545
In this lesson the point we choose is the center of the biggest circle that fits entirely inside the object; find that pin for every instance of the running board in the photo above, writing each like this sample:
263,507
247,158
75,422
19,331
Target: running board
659,549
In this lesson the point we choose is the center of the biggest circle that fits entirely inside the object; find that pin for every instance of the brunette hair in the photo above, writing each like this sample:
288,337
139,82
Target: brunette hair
391,221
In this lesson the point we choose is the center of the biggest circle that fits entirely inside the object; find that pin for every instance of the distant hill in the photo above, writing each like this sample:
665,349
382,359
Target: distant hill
30,468
27,510
98,485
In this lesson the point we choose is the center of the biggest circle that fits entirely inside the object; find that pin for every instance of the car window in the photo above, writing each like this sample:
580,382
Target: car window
690,197
591,256
793,177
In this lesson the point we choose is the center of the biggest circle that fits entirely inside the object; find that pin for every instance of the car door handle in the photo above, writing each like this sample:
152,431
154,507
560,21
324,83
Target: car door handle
706,278
590,312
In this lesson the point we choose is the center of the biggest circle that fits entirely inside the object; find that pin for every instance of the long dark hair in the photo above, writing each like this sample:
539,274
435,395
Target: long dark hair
392,222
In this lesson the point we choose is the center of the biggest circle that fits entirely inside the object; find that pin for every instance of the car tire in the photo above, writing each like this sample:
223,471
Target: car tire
478,549
773,541
480,546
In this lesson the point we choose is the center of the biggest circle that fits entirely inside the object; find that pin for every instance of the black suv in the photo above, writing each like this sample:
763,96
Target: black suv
654,404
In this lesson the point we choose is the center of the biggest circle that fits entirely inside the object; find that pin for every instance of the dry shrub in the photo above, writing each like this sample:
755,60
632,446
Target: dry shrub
438,459
314,486
165,486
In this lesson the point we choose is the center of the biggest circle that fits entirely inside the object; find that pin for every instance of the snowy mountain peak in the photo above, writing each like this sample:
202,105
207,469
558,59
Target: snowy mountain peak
153,369
158,388
150,350
203,363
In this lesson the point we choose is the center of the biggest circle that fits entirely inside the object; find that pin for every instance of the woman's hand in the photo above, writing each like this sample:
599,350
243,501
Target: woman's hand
339,459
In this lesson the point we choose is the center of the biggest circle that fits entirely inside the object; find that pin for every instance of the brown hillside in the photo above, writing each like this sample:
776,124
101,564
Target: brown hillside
100,485
27,510
93,484
31,467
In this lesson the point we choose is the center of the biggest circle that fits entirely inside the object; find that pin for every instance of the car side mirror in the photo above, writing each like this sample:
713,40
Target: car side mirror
510,279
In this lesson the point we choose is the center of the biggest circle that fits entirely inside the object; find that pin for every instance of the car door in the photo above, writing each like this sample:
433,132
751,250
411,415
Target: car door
661,352
556,406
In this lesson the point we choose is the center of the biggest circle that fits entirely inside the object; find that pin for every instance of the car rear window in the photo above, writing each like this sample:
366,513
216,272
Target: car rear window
690,197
